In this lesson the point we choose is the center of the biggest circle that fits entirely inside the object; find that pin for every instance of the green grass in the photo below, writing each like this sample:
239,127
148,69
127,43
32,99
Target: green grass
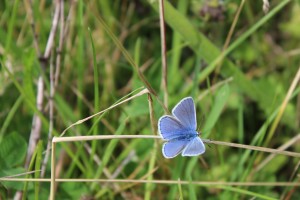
110,51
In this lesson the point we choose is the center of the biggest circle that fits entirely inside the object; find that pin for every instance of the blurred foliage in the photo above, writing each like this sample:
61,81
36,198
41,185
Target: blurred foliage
236,99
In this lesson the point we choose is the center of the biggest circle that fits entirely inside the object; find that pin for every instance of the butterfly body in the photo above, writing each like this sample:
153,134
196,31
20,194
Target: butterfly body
187,136
179,131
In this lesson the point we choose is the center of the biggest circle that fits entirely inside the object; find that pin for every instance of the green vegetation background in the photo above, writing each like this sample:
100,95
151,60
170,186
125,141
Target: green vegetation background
237,98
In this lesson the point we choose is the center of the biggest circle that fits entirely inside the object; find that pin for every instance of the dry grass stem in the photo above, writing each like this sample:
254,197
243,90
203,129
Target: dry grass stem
281,148
108,137
169,182
144,91
282,107
163,52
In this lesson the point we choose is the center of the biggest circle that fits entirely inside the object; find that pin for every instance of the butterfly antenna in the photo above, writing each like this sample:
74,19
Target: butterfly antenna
202,120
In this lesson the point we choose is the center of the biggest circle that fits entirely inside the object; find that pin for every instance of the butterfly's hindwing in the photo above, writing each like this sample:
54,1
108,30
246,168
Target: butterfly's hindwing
173,148
194,148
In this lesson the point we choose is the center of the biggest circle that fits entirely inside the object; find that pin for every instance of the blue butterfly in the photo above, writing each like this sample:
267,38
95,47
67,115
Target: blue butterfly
179,131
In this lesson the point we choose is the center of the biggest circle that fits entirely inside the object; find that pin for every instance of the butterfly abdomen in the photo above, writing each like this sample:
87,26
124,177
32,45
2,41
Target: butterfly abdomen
189,135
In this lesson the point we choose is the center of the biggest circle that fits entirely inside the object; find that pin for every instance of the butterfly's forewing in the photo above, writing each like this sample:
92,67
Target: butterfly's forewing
195,147
173,148
170,128
185,112
180,131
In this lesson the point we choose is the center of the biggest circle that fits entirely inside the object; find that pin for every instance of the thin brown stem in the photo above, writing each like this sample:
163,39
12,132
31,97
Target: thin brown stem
271,156
108,137
29,11
229,36
144,91
152,118
51,112
163,52
60,44
283,107
256,148
52,34
168,182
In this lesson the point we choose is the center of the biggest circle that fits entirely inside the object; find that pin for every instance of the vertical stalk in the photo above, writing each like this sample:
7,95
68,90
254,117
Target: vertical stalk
163,52
149,186
53,171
